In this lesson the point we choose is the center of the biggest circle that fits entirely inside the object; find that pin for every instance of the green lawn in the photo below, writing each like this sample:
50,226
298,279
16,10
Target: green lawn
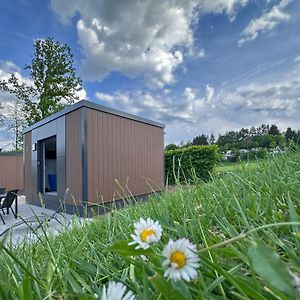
227,166
241,224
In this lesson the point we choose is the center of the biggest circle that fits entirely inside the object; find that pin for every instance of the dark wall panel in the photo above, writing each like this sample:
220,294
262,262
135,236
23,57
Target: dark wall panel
73,157
27,165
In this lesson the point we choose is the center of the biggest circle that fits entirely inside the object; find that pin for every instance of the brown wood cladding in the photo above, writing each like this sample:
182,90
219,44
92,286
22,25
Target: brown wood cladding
124,157
11,172
73,157
27,165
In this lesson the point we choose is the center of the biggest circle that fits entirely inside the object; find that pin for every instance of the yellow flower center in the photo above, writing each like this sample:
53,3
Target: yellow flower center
146,233
178,258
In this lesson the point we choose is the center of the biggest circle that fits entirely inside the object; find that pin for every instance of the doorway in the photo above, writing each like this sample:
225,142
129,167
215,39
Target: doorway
48,166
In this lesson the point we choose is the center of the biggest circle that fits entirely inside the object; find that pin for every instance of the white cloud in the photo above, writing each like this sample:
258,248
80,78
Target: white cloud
8,67
297,59
266,22
201,53
158,106
137,38
215,112
82,94
221,6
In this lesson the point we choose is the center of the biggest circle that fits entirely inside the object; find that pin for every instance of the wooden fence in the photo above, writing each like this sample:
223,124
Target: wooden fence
11,171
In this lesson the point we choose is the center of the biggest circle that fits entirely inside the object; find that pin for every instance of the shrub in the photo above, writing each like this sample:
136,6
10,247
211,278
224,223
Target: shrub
188,164
261,153
248,156
233,159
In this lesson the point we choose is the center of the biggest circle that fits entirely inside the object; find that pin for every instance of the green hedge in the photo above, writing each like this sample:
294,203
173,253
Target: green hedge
189,164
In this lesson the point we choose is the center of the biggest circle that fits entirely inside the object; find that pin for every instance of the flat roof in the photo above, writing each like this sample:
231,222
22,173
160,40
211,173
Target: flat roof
95,106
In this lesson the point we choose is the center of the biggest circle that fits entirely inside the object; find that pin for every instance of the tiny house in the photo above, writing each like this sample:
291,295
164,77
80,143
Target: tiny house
88,154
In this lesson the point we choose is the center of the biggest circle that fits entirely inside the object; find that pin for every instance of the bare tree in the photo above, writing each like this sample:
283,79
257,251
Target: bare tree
14,121
13,113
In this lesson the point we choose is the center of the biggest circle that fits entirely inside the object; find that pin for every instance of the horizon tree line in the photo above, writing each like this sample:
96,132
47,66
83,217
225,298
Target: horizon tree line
265,136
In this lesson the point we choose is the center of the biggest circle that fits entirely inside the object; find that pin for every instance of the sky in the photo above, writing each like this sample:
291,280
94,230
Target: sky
198,66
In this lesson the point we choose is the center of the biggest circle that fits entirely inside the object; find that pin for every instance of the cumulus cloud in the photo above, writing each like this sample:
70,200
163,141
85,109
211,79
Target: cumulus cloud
212,111
221,6
266,22
157,106
146,38
6,69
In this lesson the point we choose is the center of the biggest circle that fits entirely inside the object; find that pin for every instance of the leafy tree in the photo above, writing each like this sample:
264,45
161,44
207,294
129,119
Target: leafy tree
252,131
212,139
263,129
54,77
273,145
274,130
261,153
279,139
290,134
243,133
171,147
266,141
55,84
228,137
200,140
248,143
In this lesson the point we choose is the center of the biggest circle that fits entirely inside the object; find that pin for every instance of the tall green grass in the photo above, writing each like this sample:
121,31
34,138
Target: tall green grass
245,225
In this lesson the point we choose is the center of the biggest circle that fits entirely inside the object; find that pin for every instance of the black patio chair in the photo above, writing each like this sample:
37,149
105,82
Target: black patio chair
2,194
8,201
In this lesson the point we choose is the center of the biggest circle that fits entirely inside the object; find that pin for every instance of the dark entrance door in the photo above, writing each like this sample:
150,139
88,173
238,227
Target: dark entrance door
47,166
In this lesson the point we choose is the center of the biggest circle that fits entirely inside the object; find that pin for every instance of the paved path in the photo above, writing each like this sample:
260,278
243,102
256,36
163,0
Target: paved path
23,232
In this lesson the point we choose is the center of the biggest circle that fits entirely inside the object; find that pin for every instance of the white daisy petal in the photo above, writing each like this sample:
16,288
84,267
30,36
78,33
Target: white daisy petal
116,291
181,260
146,232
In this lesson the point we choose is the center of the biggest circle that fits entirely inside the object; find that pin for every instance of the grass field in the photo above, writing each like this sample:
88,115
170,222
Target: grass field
227,166
245,225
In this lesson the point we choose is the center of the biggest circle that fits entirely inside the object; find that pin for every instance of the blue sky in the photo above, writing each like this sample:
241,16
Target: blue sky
198,66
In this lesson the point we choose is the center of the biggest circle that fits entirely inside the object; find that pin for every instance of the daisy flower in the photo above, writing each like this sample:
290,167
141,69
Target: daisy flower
182,260
116,291
146,232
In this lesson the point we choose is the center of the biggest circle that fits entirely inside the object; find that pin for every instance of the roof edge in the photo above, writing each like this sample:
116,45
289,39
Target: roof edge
95,106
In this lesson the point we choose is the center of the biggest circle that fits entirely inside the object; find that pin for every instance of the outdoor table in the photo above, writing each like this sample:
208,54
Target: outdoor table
16,203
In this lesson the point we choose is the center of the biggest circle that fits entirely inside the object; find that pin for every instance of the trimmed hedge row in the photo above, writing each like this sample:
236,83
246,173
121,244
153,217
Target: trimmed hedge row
190,164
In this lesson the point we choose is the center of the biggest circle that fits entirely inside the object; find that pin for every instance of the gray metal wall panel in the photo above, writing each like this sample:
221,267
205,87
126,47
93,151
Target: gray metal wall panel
60,137
53,128
47,130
